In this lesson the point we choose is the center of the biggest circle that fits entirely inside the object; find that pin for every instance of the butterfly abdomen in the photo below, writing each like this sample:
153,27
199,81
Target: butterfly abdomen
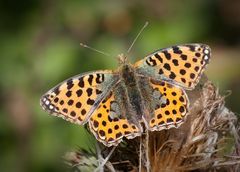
133,93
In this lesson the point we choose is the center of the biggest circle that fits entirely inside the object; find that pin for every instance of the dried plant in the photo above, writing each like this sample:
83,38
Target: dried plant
207,141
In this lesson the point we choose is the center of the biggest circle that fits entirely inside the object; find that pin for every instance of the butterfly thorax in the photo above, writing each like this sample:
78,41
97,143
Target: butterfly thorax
128,75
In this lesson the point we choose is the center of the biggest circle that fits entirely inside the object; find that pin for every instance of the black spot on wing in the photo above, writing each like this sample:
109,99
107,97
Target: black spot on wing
195,60
175,62
118,135
98,91
110,131
149,64
102,133
182,72
183,57
69,93
100,78
70,102
167,66
78,105
158,57
192,75
167,55
79,92
70,84
160,71
90,101
191,47
178,119
187,65
183,80
90,79
89,91
95,124
181,109
197,54
61,102
56,90
56,99
154,63
172,75
65,110
81,82
177,50
83,112
196,68
170,120
73,113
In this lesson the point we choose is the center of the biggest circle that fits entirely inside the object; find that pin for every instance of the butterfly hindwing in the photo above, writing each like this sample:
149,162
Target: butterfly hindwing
76,98
172,107
181,64
108,124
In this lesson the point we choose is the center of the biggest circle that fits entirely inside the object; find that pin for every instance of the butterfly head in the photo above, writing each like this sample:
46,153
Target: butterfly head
122,59
126,69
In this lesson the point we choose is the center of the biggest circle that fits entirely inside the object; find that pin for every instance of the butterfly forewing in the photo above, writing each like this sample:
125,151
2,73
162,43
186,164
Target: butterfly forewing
182,64
75,99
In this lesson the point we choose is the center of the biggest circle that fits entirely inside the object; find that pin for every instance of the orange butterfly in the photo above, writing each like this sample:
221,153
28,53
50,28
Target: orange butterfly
117,103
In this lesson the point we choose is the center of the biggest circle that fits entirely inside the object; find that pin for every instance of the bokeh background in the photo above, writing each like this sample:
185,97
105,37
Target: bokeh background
39,47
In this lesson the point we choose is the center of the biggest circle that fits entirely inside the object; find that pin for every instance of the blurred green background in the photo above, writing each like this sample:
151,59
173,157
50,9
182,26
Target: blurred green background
39,47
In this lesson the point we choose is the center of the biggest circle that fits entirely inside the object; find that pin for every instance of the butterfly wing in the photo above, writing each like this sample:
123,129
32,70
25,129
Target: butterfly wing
171,108
109,124
182,65
76,98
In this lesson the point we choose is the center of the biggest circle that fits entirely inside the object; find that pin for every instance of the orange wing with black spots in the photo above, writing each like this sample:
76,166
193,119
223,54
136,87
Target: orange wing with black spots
108,125
172,107
183,65
76,98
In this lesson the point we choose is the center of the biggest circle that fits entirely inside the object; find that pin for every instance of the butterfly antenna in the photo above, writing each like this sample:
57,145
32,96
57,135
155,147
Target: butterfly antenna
139,33
93,49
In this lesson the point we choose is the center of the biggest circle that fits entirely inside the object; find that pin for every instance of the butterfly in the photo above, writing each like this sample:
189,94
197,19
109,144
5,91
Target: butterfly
117,104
